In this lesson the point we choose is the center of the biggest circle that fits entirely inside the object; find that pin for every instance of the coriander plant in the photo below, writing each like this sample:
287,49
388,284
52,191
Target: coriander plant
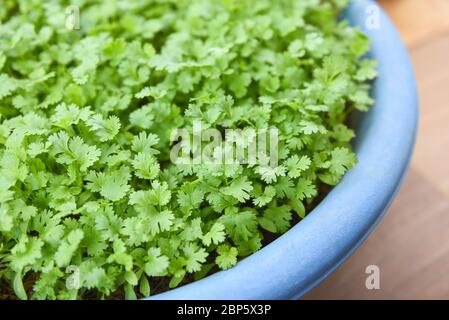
91,206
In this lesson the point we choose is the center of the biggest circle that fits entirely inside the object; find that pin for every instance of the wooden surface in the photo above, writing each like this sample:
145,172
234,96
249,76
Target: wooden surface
411,245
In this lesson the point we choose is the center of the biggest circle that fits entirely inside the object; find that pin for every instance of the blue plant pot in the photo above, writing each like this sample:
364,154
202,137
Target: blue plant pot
300,259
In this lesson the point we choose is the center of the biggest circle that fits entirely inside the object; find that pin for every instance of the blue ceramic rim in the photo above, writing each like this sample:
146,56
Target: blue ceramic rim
300,259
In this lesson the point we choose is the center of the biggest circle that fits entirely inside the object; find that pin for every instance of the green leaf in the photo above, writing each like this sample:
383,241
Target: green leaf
68,247
6,219
7,85
144,143
305,189
215,235
270,174
190,197
73,150
144,286
145,166
266,197
25,253
67,115
296,165
130,294
105,129
227,256
276,219
239,189
341,160
194,257
18,287
112,185
131,278
157,264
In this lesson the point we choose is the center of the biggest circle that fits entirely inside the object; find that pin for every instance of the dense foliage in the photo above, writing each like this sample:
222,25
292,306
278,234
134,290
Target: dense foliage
86,183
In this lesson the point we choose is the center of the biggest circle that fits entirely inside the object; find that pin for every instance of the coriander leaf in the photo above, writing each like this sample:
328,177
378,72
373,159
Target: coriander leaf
296,165
239,189
105,129
194,257
68,247
227,256
215,235
341,160
157,264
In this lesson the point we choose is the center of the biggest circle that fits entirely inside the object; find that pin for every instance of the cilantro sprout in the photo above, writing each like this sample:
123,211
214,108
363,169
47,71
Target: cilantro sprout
91,205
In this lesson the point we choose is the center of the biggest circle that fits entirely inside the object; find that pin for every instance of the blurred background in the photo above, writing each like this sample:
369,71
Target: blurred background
411,244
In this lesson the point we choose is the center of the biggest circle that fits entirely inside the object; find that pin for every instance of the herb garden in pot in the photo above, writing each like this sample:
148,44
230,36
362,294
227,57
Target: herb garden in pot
110,190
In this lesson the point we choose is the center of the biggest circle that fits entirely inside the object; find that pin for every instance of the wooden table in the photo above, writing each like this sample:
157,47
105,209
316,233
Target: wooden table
411,244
